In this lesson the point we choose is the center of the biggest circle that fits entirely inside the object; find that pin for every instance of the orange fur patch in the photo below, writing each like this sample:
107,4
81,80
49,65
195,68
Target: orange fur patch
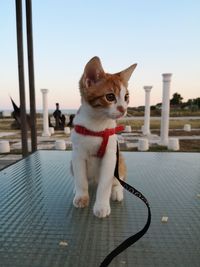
122,170
81,202
95,94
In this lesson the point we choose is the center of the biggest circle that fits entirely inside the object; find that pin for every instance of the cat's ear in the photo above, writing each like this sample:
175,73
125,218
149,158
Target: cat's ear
126,74
93,72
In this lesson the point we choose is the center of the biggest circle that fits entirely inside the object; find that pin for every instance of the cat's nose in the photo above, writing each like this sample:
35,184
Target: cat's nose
121,109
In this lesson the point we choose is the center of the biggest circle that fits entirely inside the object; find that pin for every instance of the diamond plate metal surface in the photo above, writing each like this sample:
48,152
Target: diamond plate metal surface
40,227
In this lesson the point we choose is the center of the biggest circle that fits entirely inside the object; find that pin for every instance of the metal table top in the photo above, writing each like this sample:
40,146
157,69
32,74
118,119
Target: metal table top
40,227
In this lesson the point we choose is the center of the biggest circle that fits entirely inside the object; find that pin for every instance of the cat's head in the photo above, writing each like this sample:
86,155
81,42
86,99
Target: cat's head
105,92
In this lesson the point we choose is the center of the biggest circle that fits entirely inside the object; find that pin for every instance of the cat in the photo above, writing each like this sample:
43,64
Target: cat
104,99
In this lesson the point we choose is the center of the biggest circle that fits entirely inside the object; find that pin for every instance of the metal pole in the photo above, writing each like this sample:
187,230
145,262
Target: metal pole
31,75
21,77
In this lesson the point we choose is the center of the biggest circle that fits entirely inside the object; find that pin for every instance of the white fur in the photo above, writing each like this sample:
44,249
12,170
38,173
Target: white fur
117,193
86,166
114,113
121,99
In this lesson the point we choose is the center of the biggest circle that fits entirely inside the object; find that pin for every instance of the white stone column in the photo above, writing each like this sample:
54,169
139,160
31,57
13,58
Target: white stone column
45,113
164,127
146,128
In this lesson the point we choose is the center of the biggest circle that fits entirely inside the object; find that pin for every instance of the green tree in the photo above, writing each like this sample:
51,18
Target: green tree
196,101
176,99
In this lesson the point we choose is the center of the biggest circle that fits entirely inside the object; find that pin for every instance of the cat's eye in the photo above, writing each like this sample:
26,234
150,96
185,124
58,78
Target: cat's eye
110,97
126,98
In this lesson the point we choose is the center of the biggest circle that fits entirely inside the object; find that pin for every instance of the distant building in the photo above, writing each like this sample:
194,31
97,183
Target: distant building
141,108
175,107
158,106
5,114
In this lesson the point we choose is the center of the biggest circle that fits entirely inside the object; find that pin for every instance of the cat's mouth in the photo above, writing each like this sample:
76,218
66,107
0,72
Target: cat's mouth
117,116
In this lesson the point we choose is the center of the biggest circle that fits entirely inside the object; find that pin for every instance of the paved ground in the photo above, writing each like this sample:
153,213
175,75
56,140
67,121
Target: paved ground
6,160
158,118
126,140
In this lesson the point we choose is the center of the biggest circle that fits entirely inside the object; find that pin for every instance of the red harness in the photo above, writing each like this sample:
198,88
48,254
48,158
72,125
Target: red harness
104,134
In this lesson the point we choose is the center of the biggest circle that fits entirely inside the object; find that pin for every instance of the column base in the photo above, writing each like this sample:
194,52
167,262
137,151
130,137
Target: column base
163,142
146,133
46,134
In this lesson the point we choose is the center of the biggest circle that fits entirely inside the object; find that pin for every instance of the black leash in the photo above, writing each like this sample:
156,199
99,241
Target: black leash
132,239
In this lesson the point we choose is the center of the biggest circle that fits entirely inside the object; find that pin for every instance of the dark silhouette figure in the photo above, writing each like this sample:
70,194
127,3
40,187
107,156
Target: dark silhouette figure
59,118
16,116
70,123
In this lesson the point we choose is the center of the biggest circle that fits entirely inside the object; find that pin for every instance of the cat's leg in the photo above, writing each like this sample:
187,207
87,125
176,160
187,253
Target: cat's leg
117,189
102,204
81,198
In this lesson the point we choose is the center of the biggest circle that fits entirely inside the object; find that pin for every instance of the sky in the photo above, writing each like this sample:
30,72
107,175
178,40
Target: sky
161,36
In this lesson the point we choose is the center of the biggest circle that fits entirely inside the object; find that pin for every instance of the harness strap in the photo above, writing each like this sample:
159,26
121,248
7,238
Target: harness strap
104,134
132,239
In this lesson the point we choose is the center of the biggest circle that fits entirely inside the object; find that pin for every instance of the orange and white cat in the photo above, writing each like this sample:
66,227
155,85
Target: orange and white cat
104,98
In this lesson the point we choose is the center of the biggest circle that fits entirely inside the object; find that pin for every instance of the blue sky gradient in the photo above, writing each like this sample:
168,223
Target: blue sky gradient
161,36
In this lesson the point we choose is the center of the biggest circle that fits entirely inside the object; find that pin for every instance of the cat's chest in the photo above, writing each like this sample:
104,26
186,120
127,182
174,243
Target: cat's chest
90,144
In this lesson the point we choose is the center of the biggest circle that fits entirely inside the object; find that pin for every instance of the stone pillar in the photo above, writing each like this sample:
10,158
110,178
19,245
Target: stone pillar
164,126
4,146
173,144
146,128
143,144
45,113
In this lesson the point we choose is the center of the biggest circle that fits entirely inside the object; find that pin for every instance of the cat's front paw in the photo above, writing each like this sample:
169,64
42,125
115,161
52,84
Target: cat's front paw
101,210
117,193
81,201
